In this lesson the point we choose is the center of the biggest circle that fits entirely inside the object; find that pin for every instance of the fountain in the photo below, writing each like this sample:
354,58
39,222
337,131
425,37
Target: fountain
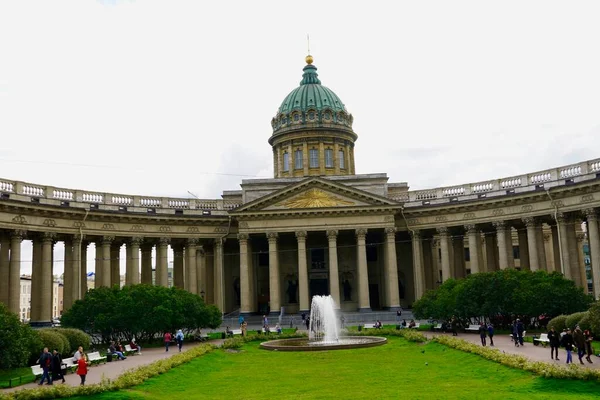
323,332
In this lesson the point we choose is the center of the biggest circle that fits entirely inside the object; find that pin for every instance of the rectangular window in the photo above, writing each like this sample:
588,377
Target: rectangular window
467,254
342,160
314,158
286,161
328,158
298,159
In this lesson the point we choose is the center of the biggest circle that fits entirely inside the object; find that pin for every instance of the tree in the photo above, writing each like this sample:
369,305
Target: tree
141,311
17,340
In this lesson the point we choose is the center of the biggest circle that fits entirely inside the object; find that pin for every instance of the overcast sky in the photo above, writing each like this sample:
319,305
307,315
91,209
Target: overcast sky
166,97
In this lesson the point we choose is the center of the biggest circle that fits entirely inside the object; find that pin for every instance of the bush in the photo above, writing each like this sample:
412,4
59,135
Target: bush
573,319
76,338
52,339
16,340
558,323
585,322
594,318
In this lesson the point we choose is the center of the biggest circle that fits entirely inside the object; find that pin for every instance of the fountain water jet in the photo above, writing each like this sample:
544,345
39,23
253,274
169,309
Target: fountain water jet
323,320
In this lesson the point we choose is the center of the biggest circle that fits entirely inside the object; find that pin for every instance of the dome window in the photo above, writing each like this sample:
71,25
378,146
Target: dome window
298,159
327,115
296,117
313,158
286,161
328,158
342,159
311,115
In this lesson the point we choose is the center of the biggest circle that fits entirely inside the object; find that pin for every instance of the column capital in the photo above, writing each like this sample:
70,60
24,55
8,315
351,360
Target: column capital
200,250
591,214
18,234
390,230
192,242
361,233
472,228
499,225
332,234
529,221
164,241
415,235
442,230
136,240
107,239
78,237
272,236
562,218
243,237
48,237
219,242
301,235
547,237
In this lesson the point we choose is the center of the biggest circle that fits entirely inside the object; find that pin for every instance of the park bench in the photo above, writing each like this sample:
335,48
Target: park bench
437,327
37,371
69,363
234,332
472,328
369,326
543,339
417,325
270,330
524,332
96,357
201,338
129,350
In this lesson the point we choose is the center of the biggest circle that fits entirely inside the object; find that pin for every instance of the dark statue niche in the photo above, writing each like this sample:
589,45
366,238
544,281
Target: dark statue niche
291,291
347,290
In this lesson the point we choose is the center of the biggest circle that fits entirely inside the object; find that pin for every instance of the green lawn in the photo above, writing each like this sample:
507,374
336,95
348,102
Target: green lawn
398,369
19,376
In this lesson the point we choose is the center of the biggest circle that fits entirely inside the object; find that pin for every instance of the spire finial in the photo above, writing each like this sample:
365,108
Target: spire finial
309,58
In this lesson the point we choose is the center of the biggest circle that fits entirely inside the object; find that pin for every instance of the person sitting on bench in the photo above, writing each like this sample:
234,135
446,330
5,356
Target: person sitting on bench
113,350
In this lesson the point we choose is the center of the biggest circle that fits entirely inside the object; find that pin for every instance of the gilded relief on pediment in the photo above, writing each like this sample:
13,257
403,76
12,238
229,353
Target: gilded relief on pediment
316,198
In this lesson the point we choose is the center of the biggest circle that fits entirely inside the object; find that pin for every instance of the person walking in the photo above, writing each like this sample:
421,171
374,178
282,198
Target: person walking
554,338
579,341
482,333
567,343
57,366
490,330
82,369
520,330
45,361
588,345
179,339
167,338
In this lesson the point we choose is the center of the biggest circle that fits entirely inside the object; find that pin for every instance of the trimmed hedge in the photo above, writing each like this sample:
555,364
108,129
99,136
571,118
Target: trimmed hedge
573,319
52,339
76,338
558,323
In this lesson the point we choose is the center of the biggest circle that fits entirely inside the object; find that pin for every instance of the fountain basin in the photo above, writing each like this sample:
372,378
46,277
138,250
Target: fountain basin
304,344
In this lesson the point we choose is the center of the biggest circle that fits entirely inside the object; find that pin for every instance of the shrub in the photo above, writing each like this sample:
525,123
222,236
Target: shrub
16,340
573,319
76,338
594,318
585,322
233,343
52,339
558,323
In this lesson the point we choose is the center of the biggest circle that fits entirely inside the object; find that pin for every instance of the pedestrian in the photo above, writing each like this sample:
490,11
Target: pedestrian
515,333
244,328
482,333
588,345
82,369
454,325
168,338
579,341
520,330
398,314
307,323
567,343
57,366
554,338
240,320
45,361
343,321
77,354
490,329
265,321
179,339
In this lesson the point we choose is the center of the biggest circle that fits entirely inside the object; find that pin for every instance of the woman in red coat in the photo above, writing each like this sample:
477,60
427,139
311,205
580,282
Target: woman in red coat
82,369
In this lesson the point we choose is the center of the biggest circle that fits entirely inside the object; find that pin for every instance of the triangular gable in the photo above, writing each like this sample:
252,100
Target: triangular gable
315,193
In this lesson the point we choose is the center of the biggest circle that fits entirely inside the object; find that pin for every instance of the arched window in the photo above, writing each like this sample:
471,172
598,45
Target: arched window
298,159
313,158
342,159
286,161
328,158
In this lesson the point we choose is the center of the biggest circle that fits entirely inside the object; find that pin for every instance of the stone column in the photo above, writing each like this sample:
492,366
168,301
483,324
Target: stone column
428,264
83,286
392,292
540,247
179,280
573,253
36,280
14,273
564,246
191,270
98,264
549,251
534,262
244,275
274,282
418,262
68,275
445,247
474,242
132,267
302,272
491,248
556,248
201,271
46,282
334,274
4,268
115,264
523,249
147,263
364,302
458,250
580,238
106,265
594,241
162,262
219,275
502,245
76,263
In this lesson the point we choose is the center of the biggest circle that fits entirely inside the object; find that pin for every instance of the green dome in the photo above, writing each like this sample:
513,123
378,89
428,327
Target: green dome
311,95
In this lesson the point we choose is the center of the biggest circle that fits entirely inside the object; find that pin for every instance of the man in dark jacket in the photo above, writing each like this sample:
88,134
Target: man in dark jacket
554,338
579,341
57,366
45,362
482,333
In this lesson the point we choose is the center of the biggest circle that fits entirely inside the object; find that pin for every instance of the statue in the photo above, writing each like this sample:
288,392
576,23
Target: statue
291,291
347,291
236,289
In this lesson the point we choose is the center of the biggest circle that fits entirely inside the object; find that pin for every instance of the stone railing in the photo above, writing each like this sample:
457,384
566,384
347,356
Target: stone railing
16,190
541,180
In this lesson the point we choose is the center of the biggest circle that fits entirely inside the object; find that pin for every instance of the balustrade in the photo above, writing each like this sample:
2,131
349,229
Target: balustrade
6,186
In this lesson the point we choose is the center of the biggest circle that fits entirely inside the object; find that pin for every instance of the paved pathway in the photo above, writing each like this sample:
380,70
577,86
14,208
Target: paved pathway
535,353
113,369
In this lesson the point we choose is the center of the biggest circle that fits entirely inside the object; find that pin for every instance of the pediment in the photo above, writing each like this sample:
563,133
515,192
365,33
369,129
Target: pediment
314,194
